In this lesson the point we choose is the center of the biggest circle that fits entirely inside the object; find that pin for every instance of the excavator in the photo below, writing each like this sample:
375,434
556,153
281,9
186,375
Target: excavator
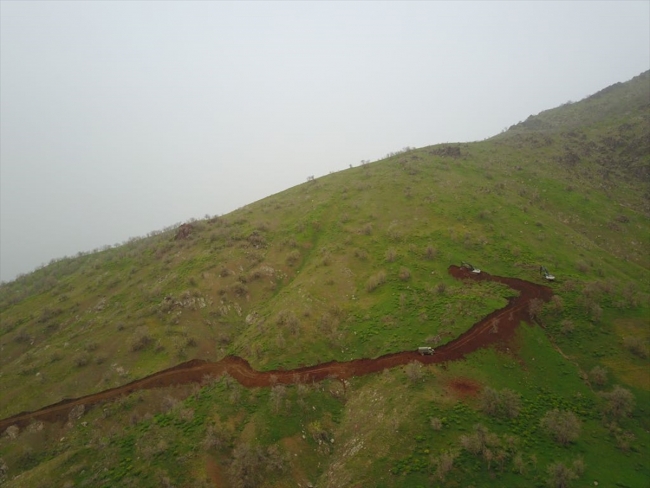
544,272
470,267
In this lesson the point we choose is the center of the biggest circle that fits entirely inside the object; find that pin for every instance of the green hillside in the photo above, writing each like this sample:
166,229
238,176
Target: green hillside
354,265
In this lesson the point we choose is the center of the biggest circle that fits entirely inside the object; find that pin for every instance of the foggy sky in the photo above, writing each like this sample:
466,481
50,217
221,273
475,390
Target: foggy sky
119,118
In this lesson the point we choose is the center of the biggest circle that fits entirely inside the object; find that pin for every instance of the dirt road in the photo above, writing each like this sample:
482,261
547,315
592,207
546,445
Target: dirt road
482,334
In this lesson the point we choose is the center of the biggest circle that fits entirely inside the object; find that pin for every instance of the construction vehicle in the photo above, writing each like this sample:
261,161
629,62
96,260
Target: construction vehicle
470,267
544,272
425,351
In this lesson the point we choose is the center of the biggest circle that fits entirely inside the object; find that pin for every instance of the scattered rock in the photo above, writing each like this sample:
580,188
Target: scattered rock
76,412
35,427
12,431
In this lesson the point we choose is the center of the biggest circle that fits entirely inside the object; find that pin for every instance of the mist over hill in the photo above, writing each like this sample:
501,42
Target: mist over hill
355,265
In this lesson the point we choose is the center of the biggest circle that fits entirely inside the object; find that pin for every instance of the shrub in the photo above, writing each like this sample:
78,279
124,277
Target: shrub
441,288
559,475
506,403
480,441
490,400
619,402
557,304
293,257
414,371
535,307
596,312
140,339
444,464
366,230
563,425
278,394
636,346
81,360
430,252
247,467
510,403
391,255
239,289
375,281
326,259
598,375
22,337
404,274
361,254
567,327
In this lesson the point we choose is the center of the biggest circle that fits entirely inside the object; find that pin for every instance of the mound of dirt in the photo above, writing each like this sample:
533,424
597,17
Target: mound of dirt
484,333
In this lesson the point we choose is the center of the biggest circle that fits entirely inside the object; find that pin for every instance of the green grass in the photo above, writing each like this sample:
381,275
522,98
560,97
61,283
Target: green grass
285,282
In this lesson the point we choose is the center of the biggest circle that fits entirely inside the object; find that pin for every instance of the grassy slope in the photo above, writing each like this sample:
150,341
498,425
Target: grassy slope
286,281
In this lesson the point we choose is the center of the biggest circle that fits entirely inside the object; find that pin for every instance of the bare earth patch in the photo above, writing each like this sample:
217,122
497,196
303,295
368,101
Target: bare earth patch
463,388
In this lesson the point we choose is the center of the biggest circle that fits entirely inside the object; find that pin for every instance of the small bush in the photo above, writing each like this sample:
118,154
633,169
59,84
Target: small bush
140,339
293,257
404,274
22,337
414,371
375,281
563,425
559,475
361,254
215,439
444,465
81,360
557,304
366,230
567,327
430,252
636,346
391,255
506,403
598,375
535,307
239,289
619,402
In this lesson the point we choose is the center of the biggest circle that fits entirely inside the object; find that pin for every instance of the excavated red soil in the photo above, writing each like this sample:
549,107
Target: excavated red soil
463,387
482,334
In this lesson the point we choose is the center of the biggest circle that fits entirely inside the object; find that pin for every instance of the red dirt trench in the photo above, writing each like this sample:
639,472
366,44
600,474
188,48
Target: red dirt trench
481,335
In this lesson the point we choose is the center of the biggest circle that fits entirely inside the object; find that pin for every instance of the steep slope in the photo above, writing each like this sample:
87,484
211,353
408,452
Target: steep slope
348,266
610,130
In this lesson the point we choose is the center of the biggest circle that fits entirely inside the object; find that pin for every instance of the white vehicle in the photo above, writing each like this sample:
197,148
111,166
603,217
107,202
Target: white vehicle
426,351
543,271
470,267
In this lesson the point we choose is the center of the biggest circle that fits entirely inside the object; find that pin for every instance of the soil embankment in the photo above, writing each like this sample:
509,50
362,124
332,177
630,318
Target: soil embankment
497,327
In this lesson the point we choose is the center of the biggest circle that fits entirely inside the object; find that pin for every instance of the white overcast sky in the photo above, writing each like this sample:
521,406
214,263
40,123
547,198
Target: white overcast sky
119,118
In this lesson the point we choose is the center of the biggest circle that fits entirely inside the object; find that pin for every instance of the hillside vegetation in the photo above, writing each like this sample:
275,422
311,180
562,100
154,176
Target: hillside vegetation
354,265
